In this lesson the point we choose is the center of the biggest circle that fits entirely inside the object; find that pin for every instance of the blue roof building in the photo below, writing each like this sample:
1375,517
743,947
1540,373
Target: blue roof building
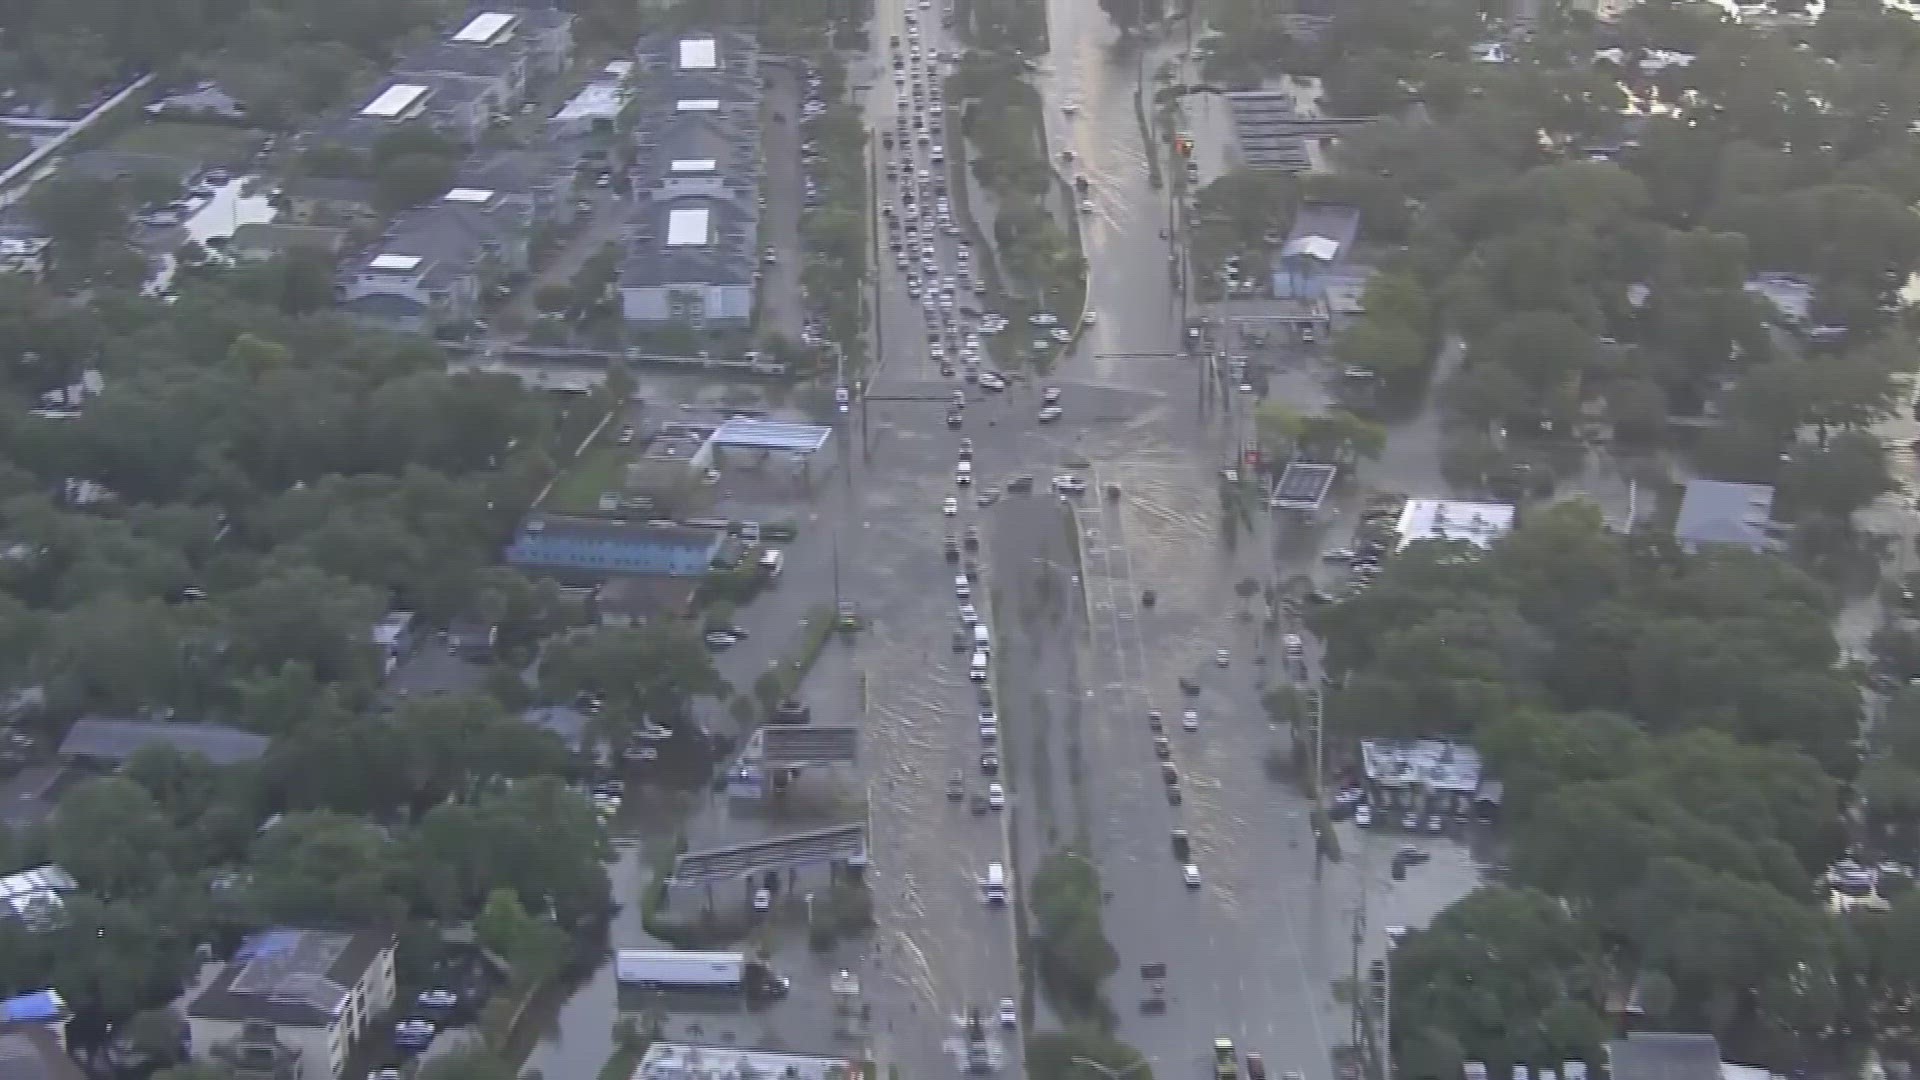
590,548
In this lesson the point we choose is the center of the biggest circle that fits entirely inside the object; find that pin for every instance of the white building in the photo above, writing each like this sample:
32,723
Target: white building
294,1002
683,1061
1478,523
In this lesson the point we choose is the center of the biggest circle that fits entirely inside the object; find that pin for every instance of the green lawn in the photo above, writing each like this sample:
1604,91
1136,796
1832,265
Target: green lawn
203,144
601,468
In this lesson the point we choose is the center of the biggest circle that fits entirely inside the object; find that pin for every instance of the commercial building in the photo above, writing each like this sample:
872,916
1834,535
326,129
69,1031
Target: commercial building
35,897
684,1061
293,1003
1674,1055
1477,523
595,549
1715,513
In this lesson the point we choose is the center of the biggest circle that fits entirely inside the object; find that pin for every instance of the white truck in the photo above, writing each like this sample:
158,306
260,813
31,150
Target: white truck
670,969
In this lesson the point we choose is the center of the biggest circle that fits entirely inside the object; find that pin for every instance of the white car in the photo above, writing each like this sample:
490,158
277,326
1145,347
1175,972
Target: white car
968,614
950,507
1060,335
1190,720
1363,815
1293,645
1088,319
1086,206
720,639
762,900
1050,413
961,588
437,999
1009,1014
1221,658
996,796
1042,318
1191,875
1069,485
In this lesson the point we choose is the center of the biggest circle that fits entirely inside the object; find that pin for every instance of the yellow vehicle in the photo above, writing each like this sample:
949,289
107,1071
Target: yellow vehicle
1226,1062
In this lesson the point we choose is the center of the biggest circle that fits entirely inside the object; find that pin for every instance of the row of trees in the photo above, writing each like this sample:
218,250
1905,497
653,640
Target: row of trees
1673,732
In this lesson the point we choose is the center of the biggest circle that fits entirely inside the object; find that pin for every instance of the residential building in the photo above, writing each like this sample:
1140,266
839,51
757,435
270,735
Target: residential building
36,897
33,1038
267,240
596,549
694,240
540,178
113,741
1716,513
206,101
547,30
435,261
329,200
293,1003
25,250
569,724
30,796
594,110
638,600
457,106
473,638
502,67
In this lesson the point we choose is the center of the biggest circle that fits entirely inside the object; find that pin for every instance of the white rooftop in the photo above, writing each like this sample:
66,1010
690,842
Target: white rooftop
697,105
595,101
394,262
482,29
693,165
1445,519
687,226
683,1061
468,195
394,100
1428,763
1323,248
698,54
618,69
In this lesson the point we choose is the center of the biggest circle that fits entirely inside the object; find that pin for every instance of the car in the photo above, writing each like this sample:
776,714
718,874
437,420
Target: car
972,538
414,1030
968,614
1221,658
996,796
1256,1067
1363,815
1190,874
966,449
987,496
1169,773
1009,1014
1050,395
1068,484
762,900
1436,823
1088,319
1042,318
1173,795
625,437
1412,856
1182,846
1410,820
990,763
1293,645
842,397
437,998
1337,555
990,380
1162,749
1155,723
1086,206
1020,484
955,418
950,506
1190,720
720,639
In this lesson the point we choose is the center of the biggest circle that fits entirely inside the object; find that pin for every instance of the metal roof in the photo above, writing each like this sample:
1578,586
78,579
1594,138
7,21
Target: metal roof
698,54
393,101
697,105
468,195
394,262
1302,485
483,28
687,226
777,853
693,165
1323,248
781,745
771,435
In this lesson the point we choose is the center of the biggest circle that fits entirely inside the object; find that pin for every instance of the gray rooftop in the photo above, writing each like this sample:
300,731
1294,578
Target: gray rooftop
299,978
455,58
33,1052
1716,513
1317,220
1664,1055
100,738
728,260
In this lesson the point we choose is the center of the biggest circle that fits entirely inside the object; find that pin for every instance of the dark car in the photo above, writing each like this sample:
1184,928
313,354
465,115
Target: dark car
1022,484
990,763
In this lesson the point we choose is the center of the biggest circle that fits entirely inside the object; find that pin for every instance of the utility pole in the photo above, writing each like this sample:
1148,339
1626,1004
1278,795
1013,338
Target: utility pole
1318,718
876,314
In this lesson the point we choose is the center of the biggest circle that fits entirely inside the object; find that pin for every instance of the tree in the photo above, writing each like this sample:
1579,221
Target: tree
474,1061
1126,15
410,179
647,673
1835,480
112,837
535,949
318,868
1073,954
